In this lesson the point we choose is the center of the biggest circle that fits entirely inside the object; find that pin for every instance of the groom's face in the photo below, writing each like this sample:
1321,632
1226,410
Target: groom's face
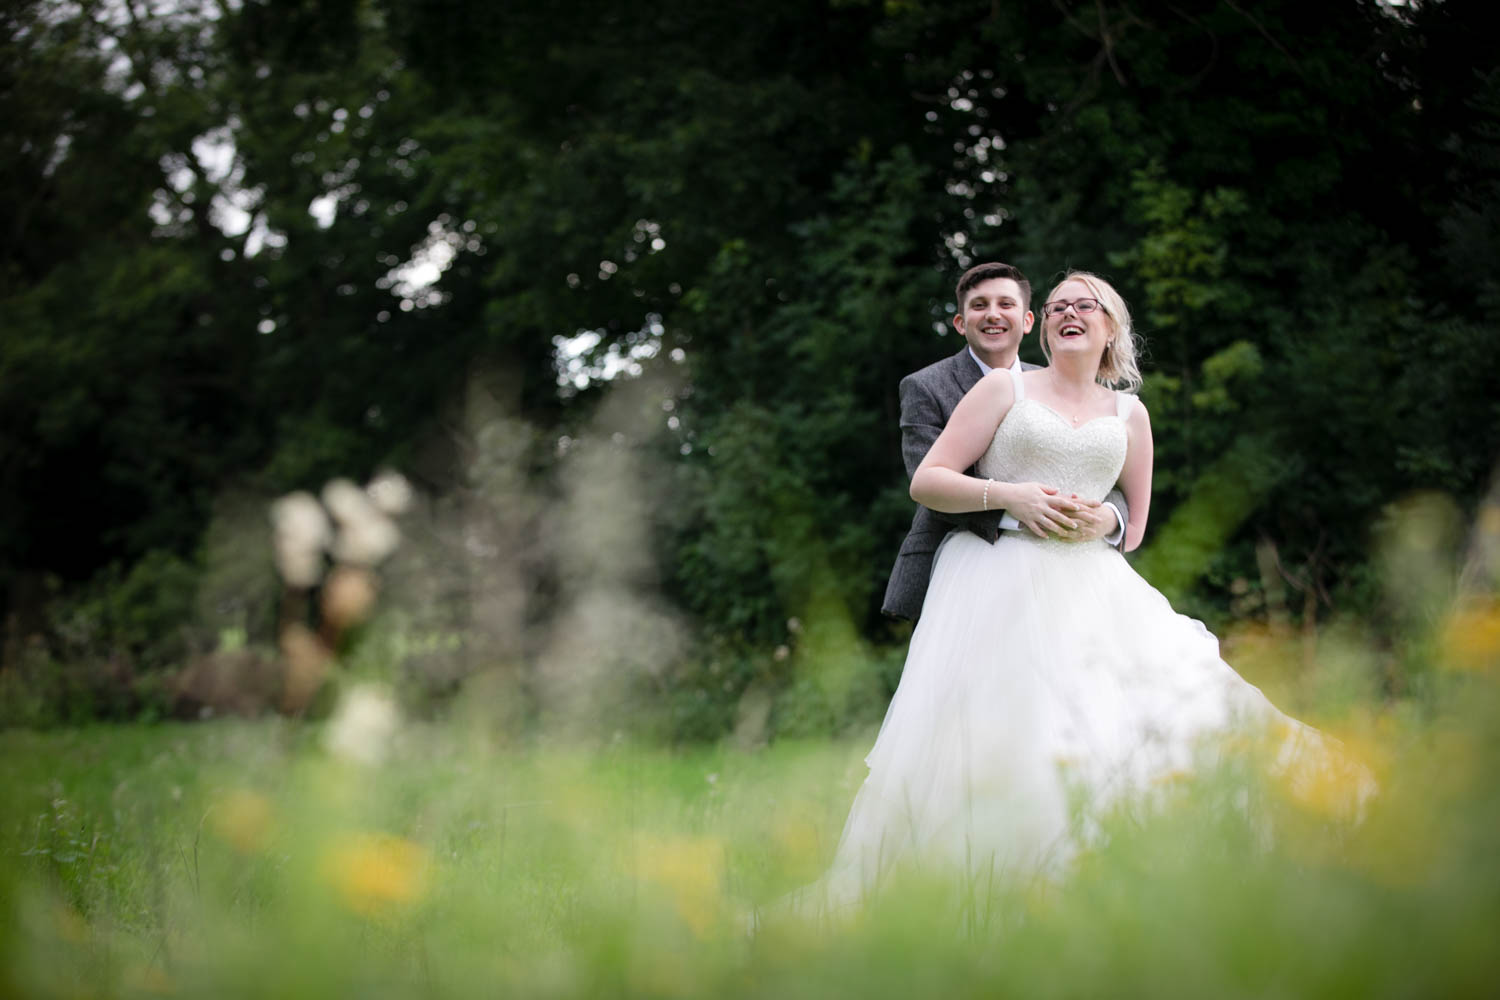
993,320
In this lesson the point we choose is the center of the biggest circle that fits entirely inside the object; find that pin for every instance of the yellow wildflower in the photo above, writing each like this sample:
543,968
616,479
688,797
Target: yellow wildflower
374,873
691,870
243,819
1329,777
798,840
1471,636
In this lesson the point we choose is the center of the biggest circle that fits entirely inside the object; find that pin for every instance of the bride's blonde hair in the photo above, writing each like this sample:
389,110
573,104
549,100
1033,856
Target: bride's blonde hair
1117,366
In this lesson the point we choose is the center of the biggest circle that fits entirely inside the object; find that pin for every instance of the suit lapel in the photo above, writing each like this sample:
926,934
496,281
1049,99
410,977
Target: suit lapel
964,370
966,373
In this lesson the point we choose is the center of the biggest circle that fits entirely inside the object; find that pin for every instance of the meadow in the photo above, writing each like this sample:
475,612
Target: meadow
630,296
285,858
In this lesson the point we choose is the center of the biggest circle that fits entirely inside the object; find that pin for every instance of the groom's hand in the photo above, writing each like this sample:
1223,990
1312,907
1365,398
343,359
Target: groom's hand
1093,521
1042,510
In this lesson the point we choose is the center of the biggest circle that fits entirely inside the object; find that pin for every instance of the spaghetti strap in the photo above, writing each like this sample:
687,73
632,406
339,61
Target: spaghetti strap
1123,402
1020,384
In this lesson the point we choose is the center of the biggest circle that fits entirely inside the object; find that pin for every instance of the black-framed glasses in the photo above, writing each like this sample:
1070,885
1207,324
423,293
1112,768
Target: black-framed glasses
1081,306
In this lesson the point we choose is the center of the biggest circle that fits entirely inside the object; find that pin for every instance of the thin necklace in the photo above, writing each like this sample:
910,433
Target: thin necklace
1075,417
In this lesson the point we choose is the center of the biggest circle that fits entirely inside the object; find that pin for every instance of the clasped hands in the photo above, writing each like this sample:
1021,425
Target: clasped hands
1045,512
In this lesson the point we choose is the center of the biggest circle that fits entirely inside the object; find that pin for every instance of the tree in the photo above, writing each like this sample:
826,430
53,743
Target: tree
269,243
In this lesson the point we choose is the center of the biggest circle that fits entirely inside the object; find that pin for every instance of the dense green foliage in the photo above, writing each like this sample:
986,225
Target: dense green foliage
211,213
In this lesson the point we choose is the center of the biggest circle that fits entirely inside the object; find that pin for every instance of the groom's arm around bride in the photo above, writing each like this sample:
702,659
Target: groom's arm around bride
993,315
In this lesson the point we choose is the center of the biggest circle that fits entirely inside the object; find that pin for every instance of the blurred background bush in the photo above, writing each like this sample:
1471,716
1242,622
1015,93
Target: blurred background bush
626,293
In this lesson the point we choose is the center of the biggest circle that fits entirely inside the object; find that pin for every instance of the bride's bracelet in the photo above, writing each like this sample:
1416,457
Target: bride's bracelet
985,499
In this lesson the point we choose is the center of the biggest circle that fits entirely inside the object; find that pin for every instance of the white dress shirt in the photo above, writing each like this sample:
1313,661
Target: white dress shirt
1008,523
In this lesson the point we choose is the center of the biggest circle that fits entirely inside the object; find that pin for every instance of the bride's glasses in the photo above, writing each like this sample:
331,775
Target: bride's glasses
1081,306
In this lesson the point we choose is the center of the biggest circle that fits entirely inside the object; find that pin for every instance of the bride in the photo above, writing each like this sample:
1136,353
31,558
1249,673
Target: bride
1043,673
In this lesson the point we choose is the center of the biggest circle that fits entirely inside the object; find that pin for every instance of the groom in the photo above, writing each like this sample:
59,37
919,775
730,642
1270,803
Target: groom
994,313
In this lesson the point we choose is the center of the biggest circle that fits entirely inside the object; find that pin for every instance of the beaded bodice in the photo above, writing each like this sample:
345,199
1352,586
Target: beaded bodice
1036,444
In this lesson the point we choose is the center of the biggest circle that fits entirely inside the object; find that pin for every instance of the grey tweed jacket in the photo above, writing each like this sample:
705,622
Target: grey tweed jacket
927,401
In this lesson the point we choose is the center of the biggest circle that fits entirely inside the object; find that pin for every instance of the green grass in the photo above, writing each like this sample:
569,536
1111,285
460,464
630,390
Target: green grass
241,859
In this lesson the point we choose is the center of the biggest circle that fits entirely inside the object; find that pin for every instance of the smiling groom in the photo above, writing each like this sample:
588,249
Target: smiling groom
994,313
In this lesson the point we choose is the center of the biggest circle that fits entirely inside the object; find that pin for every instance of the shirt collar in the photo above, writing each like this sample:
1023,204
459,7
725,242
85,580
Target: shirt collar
985,369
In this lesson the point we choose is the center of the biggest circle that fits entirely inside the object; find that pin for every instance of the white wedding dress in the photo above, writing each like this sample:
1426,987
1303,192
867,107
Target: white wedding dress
1045,681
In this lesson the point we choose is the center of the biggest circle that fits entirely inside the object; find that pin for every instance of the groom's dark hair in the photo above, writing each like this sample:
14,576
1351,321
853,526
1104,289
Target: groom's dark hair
994,269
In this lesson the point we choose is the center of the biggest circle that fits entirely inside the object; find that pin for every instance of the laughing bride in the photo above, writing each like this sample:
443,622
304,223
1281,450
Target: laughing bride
1043,673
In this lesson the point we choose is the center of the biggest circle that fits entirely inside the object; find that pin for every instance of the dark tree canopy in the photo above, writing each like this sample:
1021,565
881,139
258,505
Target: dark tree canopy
211,216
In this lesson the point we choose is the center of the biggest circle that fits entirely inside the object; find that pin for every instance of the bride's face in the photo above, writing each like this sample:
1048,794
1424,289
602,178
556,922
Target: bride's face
1077,327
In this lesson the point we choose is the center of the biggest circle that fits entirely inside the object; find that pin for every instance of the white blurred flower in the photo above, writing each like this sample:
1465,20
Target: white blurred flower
300,535
390,492
366,535
363,725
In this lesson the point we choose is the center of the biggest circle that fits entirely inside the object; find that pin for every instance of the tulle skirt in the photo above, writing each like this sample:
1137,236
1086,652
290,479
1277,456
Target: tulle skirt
1045,681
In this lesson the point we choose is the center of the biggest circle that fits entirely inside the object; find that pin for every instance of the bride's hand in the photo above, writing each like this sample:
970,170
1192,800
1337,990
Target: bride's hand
1094,521
1041,509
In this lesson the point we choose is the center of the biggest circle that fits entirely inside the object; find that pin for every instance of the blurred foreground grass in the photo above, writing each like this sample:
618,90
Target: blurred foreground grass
261,859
